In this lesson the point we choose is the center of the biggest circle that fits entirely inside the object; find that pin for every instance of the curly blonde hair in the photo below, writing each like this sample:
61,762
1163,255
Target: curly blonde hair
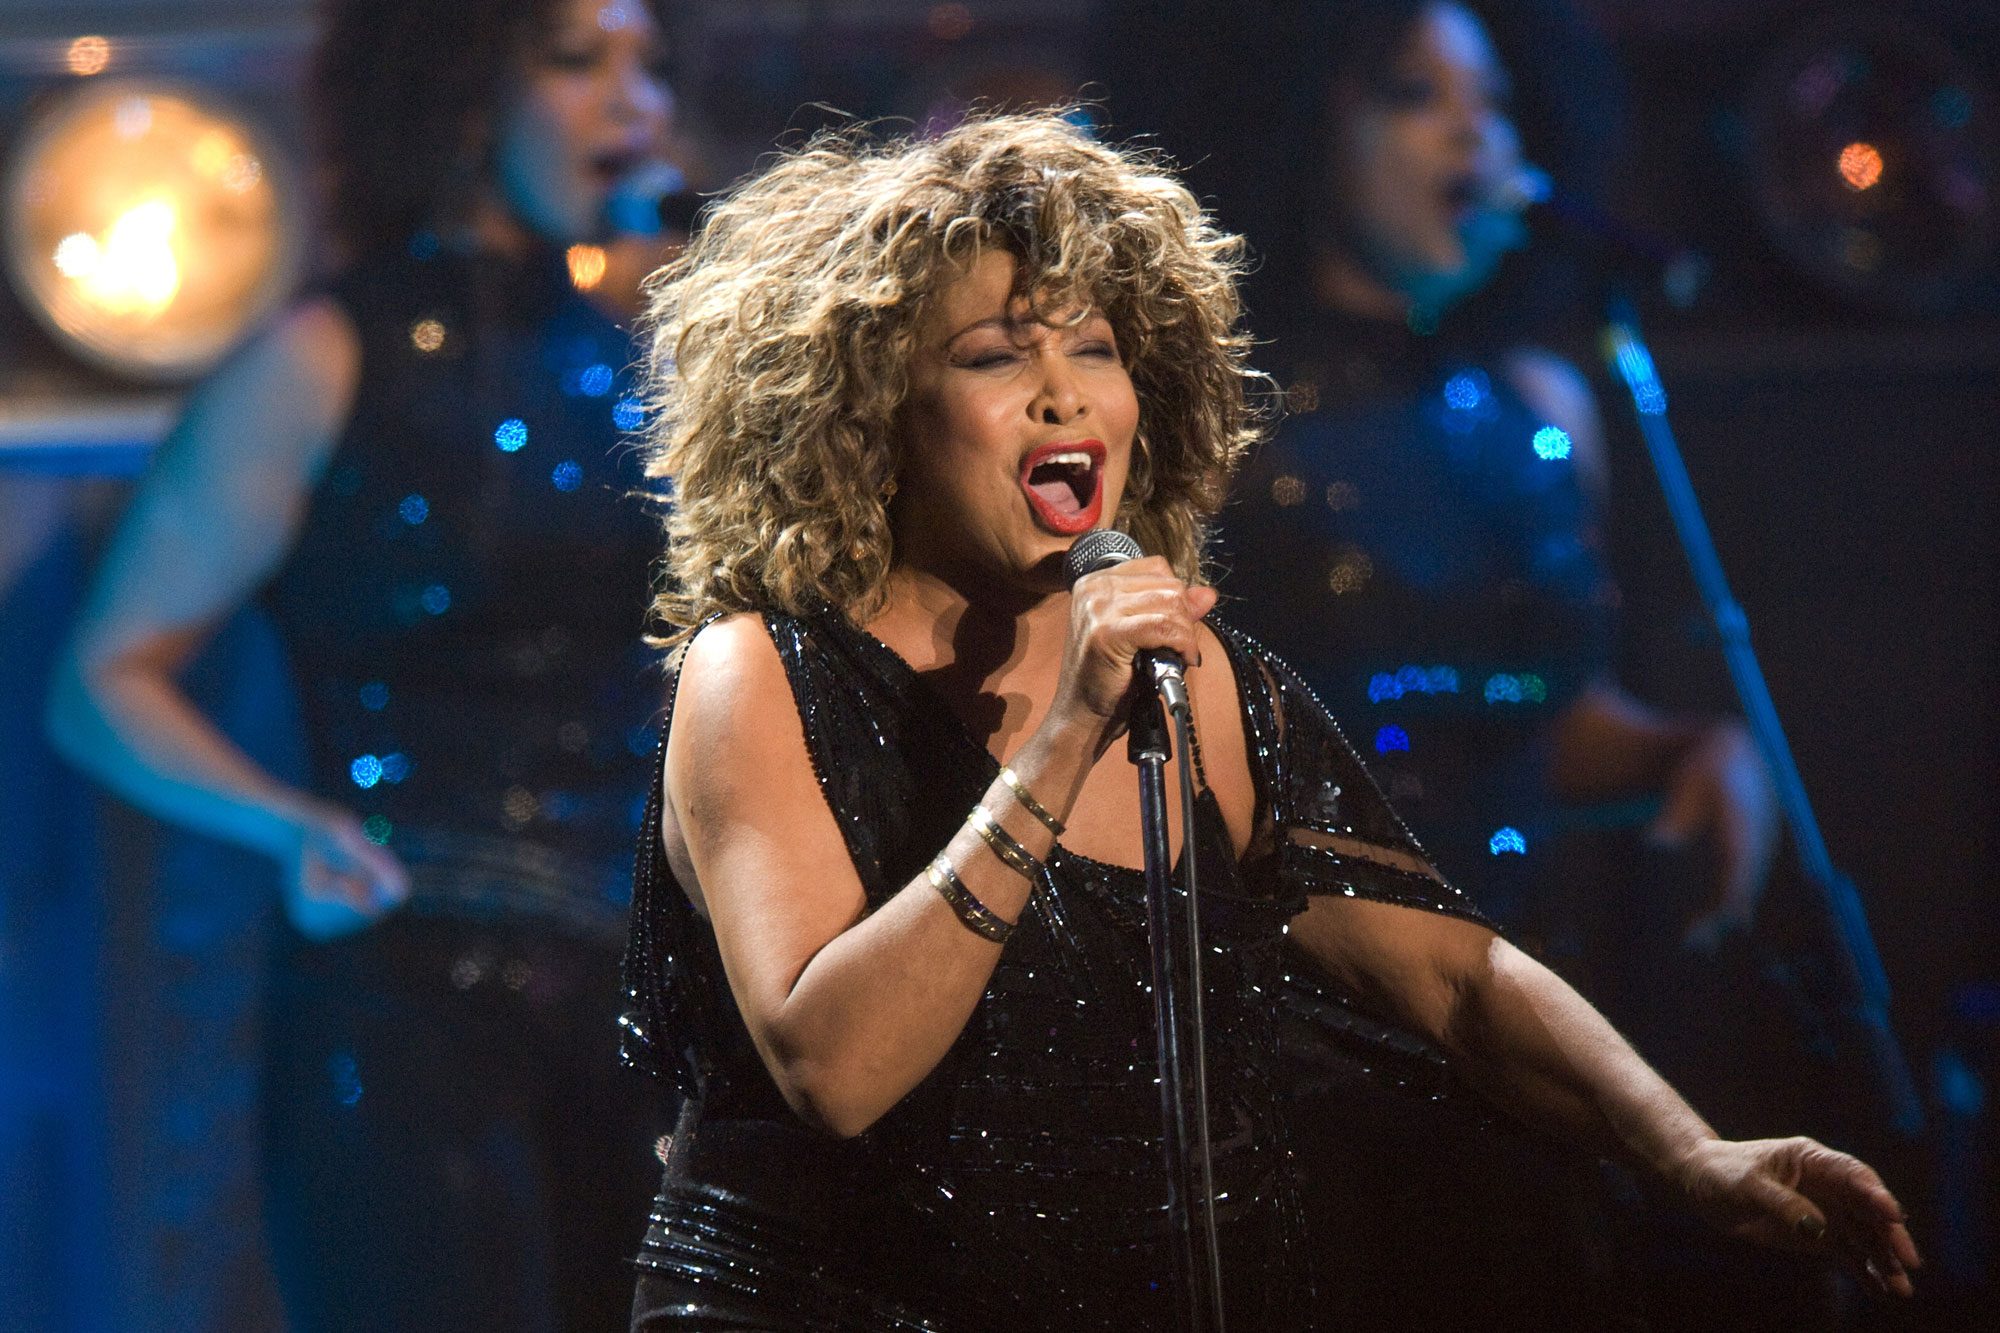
780,341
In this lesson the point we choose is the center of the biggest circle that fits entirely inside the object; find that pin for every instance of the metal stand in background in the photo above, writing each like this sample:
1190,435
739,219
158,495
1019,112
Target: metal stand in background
1866,984
1197,1285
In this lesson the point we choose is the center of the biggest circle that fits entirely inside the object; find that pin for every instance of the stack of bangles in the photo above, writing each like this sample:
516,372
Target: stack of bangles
980,919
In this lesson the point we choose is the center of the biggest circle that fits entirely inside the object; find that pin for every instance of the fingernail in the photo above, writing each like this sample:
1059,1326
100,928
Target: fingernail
1812,1228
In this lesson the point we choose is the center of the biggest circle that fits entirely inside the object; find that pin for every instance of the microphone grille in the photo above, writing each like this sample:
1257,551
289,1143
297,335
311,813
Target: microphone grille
1100,548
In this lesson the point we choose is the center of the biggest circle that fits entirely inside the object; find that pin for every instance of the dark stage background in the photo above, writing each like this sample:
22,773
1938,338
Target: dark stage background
1842,427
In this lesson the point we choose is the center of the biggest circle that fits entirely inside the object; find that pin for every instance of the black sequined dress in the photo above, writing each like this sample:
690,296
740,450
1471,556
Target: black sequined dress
1018,1186
450,1142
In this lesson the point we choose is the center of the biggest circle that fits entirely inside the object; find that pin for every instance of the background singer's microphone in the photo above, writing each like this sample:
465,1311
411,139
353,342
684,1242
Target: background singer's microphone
652,200
1101,548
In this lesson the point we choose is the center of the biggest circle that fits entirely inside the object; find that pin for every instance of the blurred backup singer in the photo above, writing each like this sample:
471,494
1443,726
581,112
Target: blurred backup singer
889,939
416,472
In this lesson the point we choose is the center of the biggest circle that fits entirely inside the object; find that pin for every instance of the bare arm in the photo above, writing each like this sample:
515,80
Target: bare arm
1538,1050
218,510
1608,744
851,1009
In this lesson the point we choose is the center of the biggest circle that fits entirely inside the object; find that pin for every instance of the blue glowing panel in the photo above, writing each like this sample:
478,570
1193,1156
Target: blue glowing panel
1507,840
627,413
414,509
511,435
567,476
1551,443
1391,739
366,771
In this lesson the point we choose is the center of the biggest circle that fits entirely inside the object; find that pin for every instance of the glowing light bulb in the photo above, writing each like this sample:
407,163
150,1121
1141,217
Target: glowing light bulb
133,269
77,255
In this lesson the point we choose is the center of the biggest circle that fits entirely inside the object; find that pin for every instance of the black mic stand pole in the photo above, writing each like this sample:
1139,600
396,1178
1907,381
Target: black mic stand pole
1867,985
1148,747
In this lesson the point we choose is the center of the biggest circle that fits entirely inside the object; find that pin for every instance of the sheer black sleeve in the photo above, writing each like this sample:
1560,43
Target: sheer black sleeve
1329,826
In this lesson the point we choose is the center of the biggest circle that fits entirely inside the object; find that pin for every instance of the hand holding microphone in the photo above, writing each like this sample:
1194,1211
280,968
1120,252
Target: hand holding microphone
1132,618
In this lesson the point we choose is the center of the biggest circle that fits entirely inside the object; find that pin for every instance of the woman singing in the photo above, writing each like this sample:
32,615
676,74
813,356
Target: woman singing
416,471
890,941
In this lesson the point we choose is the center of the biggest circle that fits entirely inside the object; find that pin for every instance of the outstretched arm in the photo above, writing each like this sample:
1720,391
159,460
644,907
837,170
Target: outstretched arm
216,512
1534,1046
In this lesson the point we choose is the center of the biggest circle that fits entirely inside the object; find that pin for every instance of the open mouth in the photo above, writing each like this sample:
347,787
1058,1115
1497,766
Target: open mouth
1463,195
608,169
1064,485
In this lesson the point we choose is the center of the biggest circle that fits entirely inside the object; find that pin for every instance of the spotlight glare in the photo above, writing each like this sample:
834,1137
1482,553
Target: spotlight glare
147,226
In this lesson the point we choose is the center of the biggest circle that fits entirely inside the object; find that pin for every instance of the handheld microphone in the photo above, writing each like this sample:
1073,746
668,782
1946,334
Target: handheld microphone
654,199
1101,548
1680,268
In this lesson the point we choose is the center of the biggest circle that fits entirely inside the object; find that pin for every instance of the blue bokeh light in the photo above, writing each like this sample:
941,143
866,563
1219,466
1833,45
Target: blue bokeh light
511,435
414,509
595,381
568,475
1551,443
1391,739
1384,686
627,414
1462,392
366,771
1507,840
436,599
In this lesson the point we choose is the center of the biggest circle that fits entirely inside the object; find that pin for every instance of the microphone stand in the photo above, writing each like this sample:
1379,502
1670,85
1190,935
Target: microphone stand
1197,1287
1861,973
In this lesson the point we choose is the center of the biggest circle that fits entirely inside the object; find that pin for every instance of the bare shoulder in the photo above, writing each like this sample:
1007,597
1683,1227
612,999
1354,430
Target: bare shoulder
735,722
1557,391
280,400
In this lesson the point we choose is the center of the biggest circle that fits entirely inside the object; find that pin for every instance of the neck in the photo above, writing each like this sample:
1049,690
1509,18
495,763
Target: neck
1341,283
493,229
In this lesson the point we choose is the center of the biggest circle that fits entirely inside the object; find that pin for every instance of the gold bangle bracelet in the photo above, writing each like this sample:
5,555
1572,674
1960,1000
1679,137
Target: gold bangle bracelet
1017,858
1028,801
980,919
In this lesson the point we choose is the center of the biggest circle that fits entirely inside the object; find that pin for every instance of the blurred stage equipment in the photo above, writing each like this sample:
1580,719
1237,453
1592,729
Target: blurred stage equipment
1872,163
1864,983
148,225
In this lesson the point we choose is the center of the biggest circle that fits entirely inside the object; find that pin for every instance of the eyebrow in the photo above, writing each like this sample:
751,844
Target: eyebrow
1009,322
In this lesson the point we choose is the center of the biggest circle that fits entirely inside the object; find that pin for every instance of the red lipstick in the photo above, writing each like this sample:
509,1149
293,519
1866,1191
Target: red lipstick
1064,483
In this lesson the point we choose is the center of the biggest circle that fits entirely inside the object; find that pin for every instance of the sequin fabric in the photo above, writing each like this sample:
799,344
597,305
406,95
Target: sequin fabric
1019,1186
1419,544
463,602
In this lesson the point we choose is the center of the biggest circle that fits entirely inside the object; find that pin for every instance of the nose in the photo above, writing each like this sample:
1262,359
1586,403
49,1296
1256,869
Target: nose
638,95
1060,398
